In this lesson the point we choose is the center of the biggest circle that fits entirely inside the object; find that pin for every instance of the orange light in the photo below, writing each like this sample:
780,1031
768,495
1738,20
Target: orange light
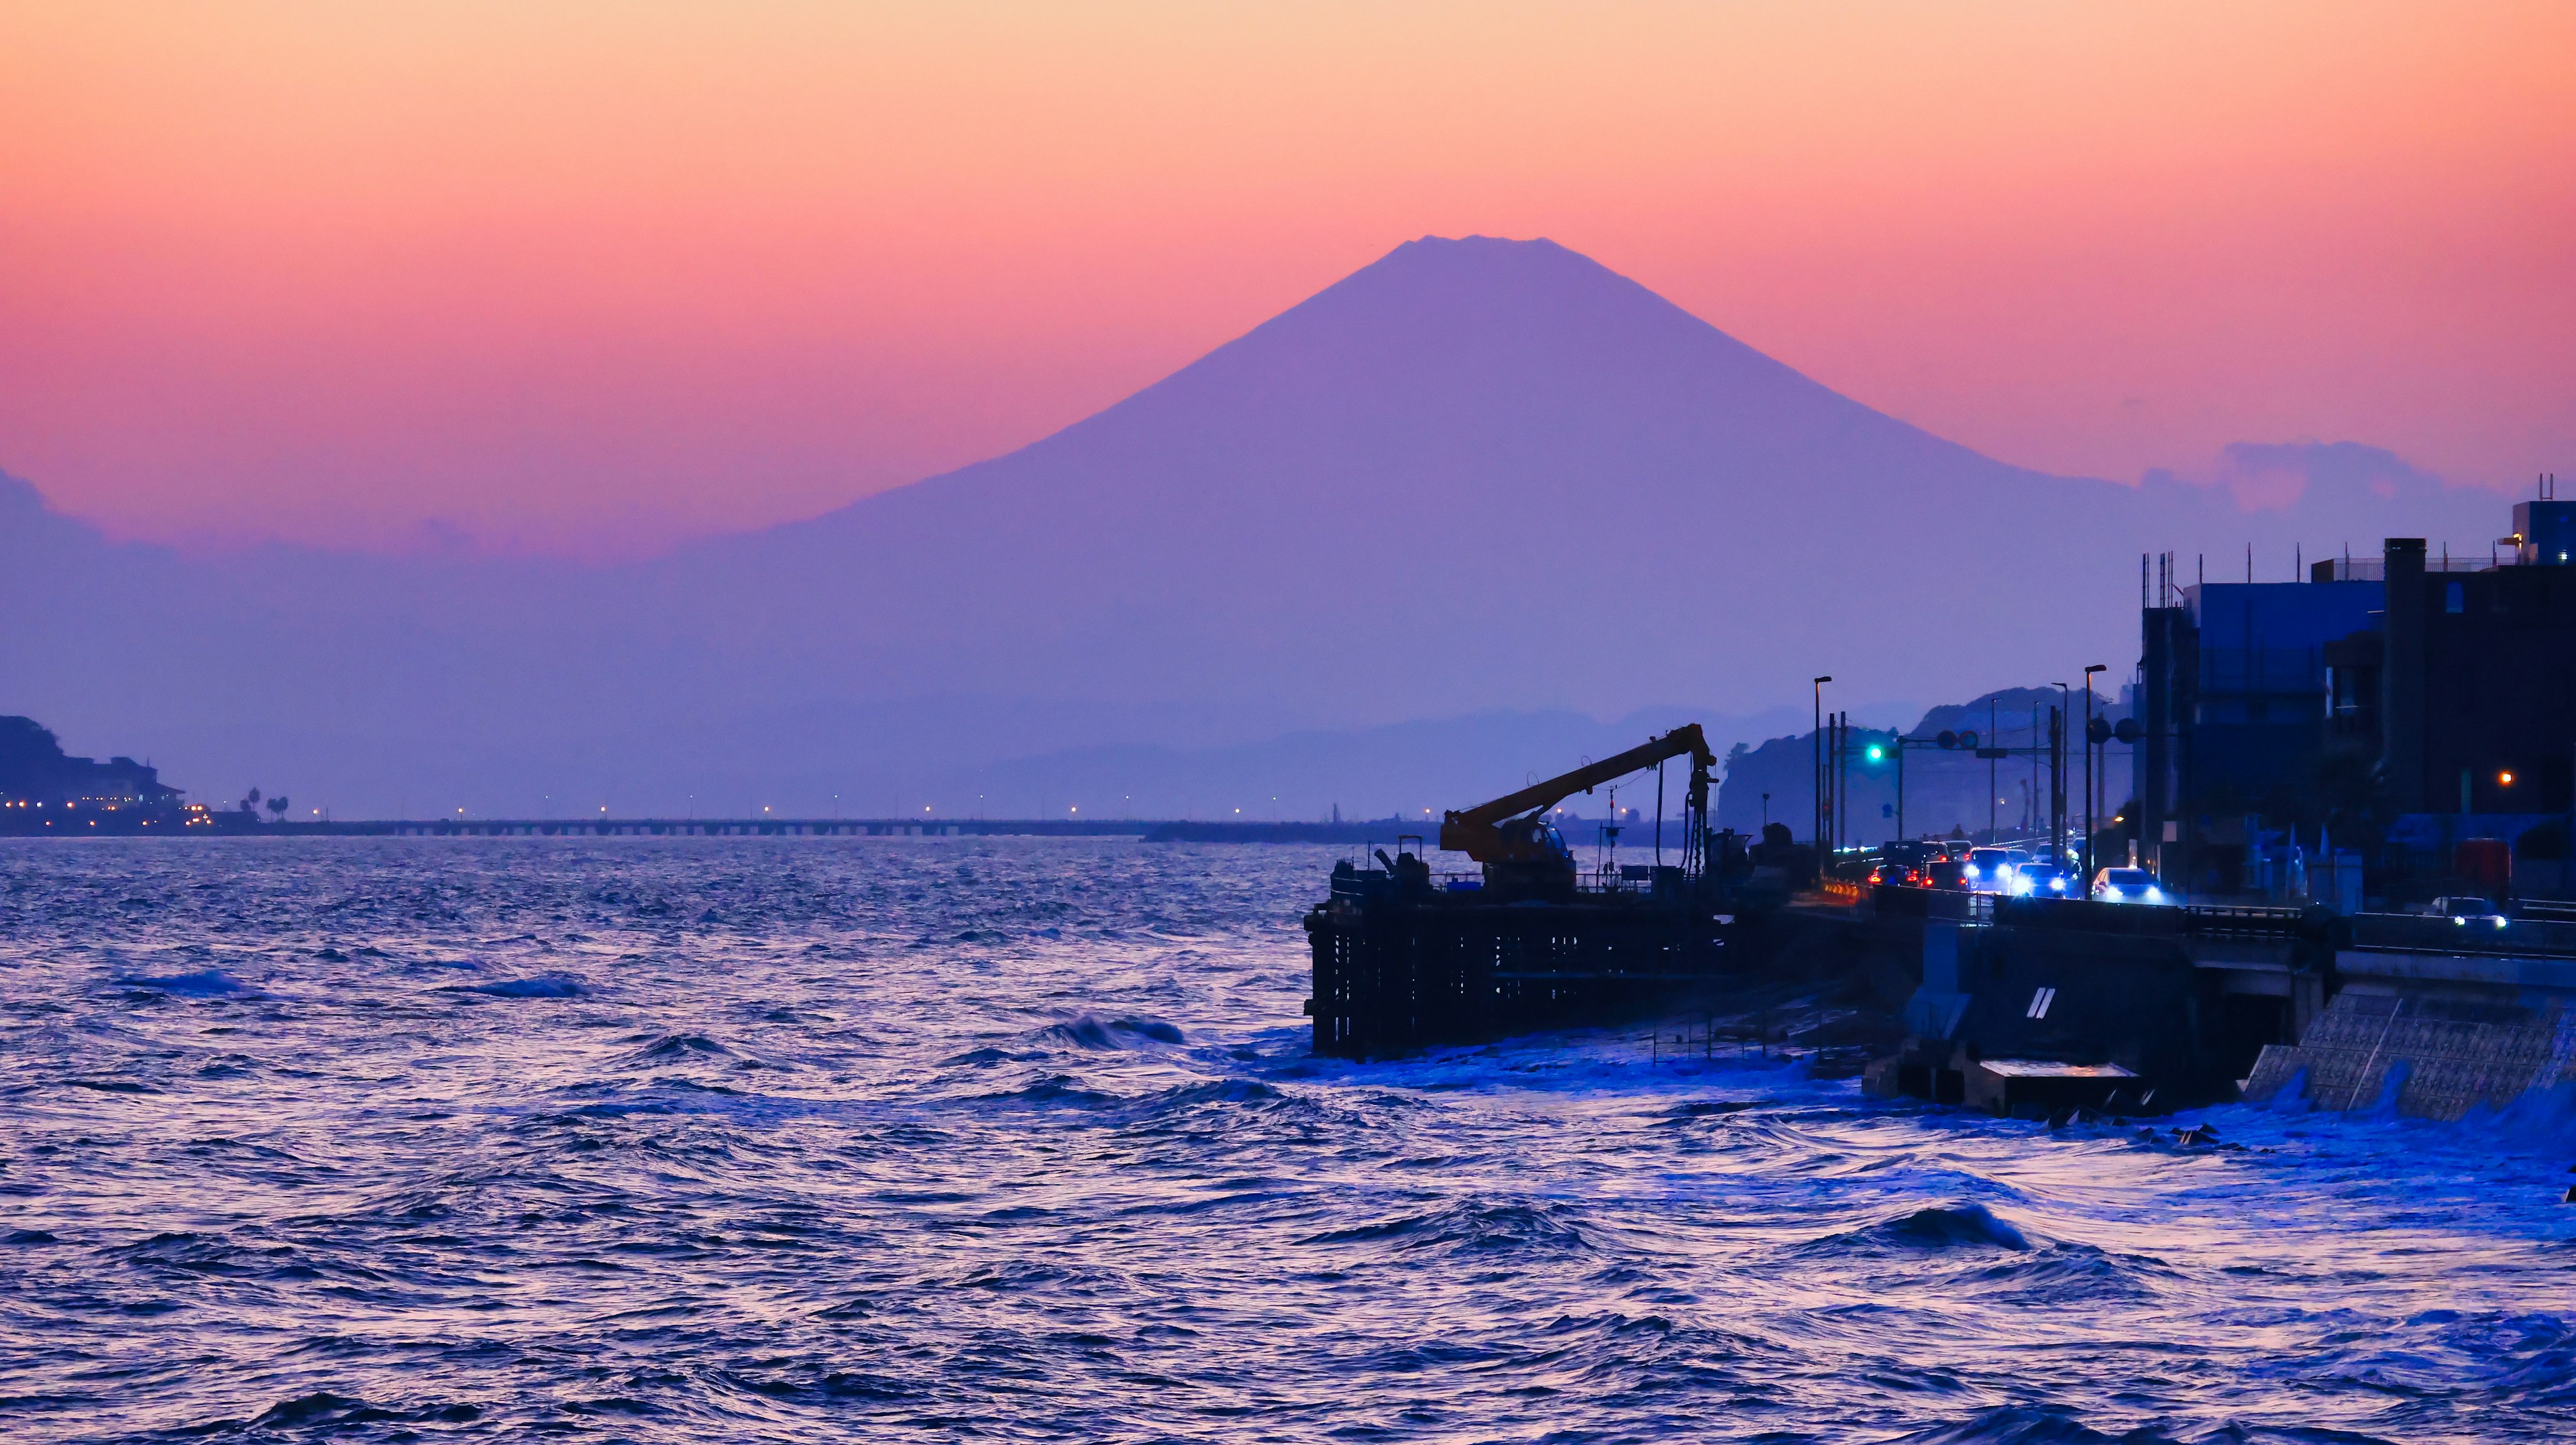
2505,779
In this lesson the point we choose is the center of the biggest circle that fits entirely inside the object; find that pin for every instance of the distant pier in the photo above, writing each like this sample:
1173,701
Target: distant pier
236,825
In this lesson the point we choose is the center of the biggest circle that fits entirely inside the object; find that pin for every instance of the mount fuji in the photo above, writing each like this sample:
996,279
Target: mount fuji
1478,479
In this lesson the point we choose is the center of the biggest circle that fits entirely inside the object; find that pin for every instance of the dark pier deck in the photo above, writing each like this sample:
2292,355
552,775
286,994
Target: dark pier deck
1396,971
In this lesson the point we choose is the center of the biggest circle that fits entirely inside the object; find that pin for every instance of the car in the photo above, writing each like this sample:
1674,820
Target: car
1990,869
2127,885
1895,875
2467,910
2040,880
1949,873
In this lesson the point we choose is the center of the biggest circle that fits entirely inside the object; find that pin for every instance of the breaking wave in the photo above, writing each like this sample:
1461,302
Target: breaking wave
544,985
1941,1227
1088,1032
204,983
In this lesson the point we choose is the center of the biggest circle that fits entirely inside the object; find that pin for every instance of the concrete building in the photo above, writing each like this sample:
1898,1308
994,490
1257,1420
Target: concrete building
2410,694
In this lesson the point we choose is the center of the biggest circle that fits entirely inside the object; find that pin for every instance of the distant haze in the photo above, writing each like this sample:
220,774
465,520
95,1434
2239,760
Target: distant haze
1480,481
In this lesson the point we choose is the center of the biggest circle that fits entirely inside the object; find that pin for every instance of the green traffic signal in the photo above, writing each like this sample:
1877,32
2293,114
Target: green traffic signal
1877,753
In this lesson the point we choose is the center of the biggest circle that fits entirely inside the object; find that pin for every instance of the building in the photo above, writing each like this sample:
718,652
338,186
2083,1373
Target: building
2405,696
36,775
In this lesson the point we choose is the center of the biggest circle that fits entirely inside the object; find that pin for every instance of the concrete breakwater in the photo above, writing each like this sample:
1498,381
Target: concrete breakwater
2424,1057
2032,1007
2433,1017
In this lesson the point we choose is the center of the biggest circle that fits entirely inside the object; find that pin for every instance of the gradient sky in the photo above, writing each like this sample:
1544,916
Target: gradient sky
587,278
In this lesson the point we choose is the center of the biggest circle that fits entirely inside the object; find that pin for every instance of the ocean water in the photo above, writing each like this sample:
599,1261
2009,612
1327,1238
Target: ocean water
815,1139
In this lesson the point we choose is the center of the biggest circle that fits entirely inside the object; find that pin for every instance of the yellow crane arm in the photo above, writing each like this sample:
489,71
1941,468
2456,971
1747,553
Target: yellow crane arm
1473,831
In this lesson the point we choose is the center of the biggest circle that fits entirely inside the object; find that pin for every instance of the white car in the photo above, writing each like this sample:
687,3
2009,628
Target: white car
2127,885
2041,879
1990,870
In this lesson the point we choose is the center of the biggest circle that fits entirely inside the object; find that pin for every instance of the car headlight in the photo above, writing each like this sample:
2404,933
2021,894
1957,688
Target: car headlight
2153,895
2461,922
1972,870
2057,883
2499,920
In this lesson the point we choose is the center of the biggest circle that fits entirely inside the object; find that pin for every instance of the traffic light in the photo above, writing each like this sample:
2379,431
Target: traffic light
1877,753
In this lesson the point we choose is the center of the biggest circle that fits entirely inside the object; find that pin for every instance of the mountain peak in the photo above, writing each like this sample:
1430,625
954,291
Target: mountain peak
1491,271
1451,249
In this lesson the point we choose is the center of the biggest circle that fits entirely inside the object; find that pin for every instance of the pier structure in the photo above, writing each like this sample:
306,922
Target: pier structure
758,827
1404,958
1403,964
194,821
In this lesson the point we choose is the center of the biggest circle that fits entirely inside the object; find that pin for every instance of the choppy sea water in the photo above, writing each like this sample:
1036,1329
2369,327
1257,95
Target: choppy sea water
798,1139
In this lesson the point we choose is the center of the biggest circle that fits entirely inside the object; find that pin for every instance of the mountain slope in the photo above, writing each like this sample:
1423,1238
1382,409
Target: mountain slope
1475,474
1475,477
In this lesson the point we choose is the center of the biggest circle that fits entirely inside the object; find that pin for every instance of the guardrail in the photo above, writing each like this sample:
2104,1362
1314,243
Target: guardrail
2196,920
2422,933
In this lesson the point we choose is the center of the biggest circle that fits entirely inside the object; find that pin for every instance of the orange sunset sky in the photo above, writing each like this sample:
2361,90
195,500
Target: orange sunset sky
591,278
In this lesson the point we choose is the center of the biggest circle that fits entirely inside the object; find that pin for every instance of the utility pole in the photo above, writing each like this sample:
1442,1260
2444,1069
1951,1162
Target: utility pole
2030,794
2088,772
1842,780
1995,740
2057,783
1833,782
1816,775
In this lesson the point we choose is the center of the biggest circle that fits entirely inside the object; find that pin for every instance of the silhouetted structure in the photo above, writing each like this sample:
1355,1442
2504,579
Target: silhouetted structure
44,789
1405,959
2400,703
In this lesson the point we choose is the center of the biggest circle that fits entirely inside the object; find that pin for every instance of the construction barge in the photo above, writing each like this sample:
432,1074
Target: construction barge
1406,959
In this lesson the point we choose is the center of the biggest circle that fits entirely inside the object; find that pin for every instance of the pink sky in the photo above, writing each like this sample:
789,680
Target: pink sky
590,278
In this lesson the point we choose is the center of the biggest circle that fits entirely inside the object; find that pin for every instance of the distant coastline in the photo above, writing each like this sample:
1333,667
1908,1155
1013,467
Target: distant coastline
232,823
